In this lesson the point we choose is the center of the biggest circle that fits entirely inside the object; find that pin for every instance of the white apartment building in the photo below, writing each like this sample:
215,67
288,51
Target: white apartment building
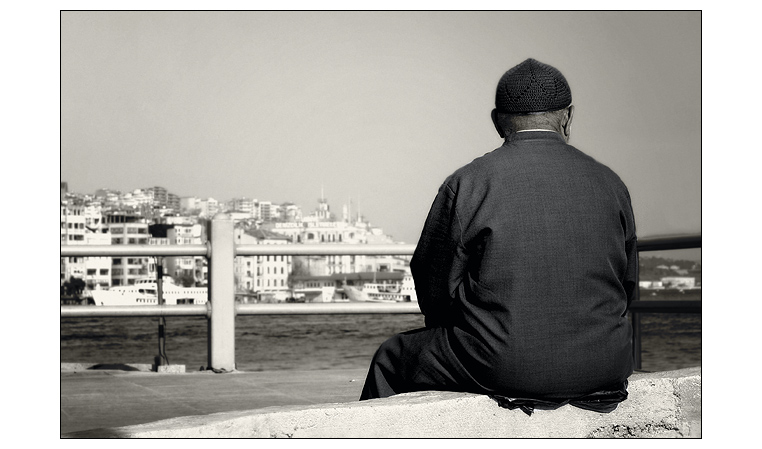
83,225
72,233
262,274
265,210
196,266
97,269
244,205
72,225
93,213
209,207
126,270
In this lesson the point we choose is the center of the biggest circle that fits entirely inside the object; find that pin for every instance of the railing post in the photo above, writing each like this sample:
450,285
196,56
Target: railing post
222,294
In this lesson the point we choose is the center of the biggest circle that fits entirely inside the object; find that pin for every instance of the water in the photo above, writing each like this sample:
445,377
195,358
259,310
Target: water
315,342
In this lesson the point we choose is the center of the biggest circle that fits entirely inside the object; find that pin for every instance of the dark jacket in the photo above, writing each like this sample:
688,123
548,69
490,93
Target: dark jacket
529,258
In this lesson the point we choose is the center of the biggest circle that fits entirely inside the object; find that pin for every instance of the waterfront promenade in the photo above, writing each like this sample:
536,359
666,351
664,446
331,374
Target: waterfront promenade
102,398
318,404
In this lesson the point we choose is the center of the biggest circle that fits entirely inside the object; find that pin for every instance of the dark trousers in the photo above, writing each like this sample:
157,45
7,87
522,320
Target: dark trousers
418,360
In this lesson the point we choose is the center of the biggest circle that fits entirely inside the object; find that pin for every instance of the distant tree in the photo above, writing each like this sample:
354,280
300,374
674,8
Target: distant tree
73,287
298,268
185,279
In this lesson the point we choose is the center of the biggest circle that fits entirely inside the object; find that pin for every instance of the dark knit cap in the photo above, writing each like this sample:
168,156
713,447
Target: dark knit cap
532,87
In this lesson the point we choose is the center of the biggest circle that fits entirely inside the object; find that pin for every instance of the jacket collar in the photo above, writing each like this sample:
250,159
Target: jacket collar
534,135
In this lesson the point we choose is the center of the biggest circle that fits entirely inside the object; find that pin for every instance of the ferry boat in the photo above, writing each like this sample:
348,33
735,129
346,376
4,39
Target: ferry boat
144,292
383,292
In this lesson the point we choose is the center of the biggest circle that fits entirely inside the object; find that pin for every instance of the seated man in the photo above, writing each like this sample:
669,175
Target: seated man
525,267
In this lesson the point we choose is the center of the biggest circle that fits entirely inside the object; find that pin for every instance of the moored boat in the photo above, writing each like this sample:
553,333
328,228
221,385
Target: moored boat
145,292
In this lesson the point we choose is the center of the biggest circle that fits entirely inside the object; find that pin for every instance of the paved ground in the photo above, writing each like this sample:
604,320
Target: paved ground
93,399
659,405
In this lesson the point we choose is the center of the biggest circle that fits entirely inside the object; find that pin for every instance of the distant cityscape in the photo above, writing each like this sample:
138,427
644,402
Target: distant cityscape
658,273
155,216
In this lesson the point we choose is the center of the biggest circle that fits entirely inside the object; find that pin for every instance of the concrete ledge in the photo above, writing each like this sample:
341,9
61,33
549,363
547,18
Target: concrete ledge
168,369
660,405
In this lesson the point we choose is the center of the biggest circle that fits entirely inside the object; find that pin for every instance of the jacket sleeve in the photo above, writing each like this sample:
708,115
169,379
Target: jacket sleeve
434,264
631,282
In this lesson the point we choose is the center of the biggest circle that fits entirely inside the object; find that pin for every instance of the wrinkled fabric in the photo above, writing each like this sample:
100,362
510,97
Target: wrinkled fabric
525,268
603,401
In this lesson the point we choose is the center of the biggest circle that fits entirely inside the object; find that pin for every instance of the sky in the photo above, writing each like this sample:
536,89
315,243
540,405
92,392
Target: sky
373,108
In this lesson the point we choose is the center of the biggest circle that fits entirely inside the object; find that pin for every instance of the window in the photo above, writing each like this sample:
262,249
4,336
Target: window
91,271
104,271
116,261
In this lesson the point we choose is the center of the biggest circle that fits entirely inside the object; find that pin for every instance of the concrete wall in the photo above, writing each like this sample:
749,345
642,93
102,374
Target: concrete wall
662,405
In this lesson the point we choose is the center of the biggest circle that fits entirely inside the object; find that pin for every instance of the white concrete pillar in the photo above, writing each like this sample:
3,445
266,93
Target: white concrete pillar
222,294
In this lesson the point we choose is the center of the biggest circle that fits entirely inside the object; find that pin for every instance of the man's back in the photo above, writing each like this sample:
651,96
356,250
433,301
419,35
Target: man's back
541,276
525,266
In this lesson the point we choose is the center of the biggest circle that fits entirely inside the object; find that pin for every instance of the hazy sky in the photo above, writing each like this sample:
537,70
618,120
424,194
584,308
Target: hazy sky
378,107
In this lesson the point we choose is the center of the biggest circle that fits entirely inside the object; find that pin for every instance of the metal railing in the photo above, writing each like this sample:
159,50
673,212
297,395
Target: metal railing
221,309
639,306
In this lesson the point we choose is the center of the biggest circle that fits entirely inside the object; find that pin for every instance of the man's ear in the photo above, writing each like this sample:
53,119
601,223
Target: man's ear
568,121
497,124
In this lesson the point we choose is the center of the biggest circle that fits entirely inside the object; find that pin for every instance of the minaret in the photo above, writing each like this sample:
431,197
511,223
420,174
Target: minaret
359,215
323,212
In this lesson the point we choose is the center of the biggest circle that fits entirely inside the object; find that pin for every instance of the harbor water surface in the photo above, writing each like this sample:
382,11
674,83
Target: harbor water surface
314,342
